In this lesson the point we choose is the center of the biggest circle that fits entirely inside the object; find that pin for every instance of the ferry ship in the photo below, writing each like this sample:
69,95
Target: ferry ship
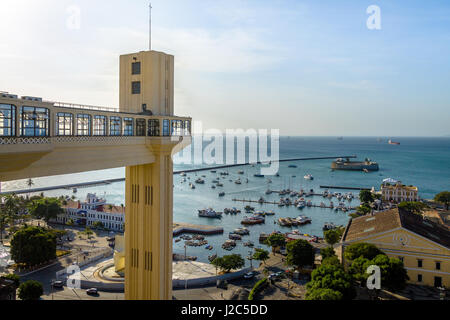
209,213
341,164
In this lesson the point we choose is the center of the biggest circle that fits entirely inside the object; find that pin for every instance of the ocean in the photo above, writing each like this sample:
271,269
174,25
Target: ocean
423,162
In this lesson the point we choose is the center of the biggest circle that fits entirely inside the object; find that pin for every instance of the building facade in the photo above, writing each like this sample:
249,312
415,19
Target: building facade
422,245
399,192
92,211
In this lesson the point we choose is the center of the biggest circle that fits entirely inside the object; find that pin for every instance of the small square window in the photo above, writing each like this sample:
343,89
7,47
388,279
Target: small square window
136,87
136,68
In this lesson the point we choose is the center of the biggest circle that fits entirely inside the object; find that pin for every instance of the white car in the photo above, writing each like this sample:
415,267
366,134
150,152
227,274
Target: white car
249,275
92,291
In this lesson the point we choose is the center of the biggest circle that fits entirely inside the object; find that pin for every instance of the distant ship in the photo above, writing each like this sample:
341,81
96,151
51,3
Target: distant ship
393,142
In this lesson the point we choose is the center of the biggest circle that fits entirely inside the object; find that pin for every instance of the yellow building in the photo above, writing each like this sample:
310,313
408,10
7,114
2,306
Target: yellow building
422,245
44,138
399,192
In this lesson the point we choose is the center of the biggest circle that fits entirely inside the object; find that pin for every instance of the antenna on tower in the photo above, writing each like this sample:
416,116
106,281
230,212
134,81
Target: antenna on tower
150,28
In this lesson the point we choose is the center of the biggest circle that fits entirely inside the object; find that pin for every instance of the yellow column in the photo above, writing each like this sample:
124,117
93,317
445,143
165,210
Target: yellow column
149,229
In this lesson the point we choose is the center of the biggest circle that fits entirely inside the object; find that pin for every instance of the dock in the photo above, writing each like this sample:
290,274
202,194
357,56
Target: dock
345,188
180,228
277,203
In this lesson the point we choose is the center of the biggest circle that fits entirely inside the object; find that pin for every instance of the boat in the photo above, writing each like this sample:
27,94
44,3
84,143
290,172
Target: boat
258,175
248,244
213,171
270,213
261,200
393,142
213,187
263,237
308,177
229,244
328,226
219,185
303,220
183,174
238,181
240,172
301,204
209,213
200,181
346,164
241,231
249,208
234,236
268,191
366,170
292,166
222,194
191,185
212,258
253,220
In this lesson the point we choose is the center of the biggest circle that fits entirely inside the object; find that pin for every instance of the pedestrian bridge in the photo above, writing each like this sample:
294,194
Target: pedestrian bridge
40,138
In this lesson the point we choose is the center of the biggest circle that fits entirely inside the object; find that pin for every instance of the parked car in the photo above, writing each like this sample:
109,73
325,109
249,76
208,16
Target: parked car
249,275
57,284
92,291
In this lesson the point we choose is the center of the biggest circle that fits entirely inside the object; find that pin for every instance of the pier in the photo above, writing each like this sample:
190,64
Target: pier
109,181
344,188
277,203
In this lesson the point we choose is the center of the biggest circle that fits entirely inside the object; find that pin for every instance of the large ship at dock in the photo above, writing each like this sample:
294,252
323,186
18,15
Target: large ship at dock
346,164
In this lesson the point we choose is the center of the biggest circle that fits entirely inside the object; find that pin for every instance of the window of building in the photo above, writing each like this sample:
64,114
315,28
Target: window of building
136,87
187,127
136,68
64,124
419,263
128,126
115,126
177,127
438,266
166,128
83,125
34,122
419,278
153,128
100,125
438,282
140,127
7,120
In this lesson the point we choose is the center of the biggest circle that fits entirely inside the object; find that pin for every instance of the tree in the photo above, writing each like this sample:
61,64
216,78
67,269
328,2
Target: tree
327,252
323,294
365,250
98,225
45,208
331,260
333,277
363,209
13,277
412,207
33,246
30,290
393,273
366,196
276,240
70,222
261,255
300,253
333,236
229,262
9,209
444,198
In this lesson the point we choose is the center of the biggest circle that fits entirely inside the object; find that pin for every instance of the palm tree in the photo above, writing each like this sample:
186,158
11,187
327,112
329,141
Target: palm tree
30,183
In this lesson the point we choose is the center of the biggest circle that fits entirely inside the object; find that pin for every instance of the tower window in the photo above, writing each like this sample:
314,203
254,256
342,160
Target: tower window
136,68
136,87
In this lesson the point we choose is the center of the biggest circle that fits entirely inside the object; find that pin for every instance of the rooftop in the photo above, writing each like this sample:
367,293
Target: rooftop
391,219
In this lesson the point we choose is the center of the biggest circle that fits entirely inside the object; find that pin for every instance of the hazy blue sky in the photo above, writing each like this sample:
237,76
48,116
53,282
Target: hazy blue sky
305,67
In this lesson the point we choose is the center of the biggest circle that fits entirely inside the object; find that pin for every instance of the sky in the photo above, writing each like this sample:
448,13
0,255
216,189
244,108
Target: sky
309,68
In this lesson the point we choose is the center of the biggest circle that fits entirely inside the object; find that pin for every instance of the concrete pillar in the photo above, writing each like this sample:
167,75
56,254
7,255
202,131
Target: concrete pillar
148,228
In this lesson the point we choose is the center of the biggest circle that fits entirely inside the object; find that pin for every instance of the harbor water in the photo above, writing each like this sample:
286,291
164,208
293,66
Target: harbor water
423,162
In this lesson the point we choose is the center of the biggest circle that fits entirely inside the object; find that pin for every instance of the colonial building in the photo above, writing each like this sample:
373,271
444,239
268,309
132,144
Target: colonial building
399,192
93,210
422,245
